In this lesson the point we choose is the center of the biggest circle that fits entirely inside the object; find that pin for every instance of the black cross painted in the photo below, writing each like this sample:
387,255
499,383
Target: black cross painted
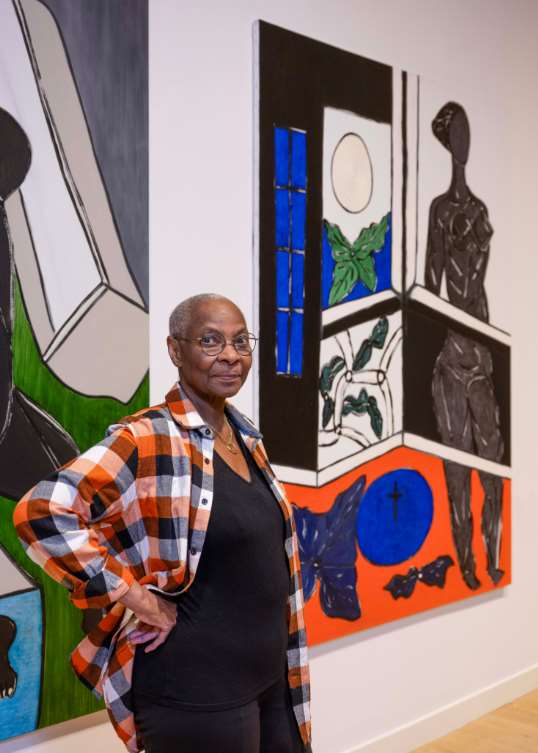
395,495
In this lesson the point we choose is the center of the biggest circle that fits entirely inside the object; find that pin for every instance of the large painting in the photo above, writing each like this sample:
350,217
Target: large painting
73,298
381,337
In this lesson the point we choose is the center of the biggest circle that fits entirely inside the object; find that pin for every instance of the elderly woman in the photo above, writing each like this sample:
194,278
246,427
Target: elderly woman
176,527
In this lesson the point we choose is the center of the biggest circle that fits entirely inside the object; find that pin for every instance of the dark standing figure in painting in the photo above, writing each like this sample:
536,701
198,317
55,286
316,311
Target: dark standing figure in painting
32,444
464,399
8,676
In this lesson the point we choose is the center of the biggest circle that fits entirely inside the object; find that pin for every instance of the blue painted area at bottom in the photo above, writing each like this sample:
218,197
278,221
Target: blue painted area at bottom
19,714
394,517
382,263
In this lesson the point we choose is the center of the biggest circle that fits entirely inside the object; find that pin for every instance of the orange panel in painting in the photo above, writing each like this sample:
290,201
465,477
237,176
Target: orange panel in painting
377,605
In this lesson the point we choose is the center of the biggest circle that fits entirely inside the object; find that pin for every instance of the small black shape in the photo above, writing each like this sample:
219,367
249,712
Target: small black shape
432,574
8,676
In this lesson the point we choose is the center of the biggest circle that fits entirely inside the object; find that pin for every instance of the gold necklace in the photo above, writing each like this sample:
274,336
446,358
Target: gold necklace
229,443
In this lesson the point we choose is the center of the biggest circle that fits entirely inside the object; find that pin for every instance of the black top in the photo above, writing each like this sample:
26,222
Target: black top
231,636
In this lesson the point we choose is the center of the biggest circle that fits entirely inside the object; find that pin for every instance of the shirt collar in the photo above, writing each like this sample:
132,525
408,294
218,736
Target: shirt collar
186,415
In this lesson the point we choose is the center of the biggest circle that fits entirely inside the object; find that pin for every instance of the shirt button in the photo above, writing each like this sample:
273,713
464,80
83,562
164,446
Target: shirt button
193,550
206,461
204,501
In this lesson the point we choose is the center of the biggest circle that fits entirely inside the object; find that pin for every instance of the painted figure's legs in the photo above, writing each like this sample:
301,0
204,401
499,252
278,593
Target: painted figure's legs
454,423
492,522
458,481
489,444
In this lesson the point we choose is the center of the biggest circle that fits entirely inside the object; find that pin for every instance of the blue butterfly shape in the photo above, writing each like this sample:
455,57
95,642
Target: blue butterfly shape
328,552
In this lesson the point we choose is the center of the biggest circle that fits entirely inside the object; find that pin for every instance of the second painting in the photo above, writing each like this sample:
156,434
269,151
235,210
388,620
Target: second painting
381,337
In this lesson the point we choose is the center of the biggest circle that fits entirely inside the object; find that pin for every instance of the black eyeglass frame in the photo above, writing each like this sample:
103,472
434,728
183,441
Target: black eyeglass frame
224,343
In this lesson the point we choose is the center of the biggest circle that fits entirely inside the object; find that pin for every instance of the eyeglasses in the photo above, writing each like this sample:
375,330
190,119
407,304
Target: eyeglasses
214,343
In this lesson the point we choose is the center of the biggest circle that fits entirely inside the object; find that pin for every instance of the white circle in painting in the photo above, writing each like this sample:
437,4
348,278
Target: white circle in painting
351,173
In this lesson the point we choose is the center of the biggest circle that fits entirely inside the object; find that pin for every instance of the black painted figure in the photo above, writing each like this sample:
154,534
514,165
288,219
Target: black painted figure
465,405
8,676
32,444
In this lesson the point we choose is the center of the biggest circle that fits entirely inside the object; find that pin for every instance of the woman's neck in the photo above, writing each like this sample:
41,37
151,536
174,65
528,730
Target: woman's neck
210,408
459,190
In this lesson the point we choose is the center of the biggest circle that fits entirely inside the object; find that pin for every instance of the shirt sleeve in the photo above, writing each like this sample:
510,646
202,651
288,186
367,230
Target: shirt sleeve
56,520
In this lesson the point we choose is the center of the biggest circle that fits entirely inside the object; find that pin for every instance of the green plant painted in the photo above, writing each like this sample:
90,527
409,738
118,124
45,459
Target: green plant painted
354,262
85,418
362,403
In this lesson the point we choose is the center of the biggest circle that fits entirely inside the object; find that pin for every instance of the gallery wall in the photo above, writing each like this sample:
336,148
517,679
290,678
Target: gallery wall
390,688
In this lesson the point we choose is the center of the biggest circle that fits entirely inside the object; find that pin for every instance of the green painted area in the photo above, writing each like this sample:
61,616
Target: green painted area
86,419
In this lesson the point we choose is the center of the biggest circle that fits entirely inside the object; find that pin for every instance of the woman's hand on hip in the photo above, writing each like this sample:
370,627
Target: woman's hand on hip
156,616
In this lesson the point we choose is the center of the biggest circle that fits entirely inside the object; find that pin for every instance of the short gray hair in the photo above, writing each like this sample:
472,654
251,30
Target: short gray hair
181,316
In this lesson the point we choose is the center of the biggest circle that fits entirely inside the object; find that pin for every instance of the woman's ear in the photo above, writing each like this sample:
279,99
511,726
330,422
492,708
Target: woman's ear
174,351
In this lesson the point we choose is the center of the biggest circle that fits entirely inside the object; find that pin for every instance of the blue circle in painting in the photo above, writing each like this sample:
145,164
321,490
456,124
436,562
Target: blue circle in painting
394,517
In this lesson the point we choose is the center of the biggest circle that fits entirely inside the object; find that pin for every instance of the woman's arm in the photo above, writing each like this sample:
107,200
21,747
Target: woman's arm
156,616
55,520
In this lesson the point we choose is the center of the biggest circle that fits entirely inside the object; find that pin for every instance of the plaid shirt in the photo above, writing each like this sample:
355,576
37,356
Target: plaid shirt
136,506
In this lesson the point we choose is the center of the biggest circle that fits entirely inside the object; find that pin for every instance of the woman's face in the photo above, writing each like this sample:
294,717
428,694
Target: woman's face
211,377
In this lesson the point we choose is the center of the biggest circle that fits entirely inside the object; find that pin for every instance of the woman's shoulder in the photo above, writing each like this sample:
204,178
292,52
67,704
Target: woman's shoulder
155,419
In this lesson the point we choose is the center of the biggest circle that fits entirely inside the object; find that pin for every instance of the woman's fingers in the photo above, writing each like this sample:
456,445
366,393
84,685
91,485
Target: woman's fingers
150,634
159,640
143,636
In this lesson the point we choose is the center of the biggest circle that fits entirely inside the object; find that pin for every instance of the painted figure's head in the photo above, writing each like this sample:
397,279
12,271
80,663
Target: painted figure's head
15,155
451,127
210,345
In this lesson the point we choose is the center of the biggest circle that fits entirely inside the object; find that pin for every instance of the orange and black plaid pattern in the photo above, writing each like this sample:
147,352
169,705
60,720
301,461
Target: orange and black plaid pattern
136,507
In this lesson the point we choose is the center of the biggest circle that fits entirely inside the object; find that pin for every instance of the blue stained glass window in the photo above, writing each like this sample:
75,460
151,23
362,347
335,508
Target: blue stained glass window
290,189
282,280
297,281
282,157
282,340
298,217
282,218
298,159
296,344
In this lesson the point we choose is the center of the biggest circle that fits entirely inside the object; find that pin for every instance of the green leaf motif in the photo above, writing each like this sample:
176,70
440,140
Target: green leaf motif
371,238
328,373
376,419
355,261
376,340
345,276
365,404
328,411
379,333
367,273
363,356
357,405
340,246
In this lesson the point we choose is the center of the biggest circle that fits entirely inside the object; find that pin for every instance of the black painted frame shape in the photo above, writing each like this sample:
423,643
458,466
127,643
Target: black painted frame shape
298,77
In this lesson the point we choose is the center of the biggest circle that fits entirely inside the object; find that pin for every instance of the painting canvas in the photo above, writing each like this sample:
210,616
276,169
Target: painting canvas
381,338
73,298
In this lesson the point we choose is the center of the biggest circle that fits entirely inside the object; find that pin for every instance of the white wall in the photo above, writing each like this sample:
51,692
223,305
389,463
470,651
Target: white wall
397,685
